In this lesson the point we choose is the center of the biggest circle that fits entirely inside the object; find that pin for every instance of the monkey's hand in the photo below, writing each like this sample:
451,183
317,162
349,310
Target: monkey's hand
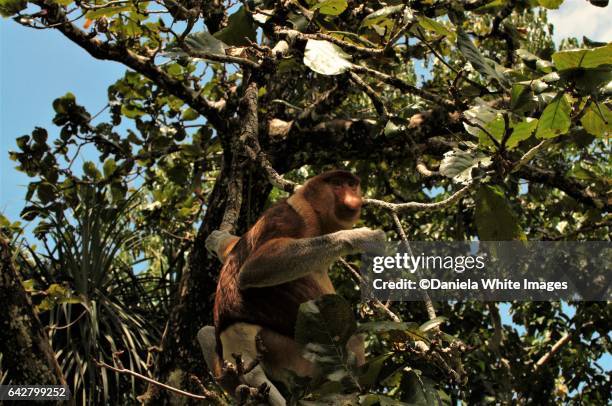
363,239
219,243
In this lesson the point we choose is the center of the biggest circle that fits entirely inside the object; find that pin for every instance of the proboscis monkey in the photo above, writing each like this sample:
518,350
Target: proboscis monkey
281,262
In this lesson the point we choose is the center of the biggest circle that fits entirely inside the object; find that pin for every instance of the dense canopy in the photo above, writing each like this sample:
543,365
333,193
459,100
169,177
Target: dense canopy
225,106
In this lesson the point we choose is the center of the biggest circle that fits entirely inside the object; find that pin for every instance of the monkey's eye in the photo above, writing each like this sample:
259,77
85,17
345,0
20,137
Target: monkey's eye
352,183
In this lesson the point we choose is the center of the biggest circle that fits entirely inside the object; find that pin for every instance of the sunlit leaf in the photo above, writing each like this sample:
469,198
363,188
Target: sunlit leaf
583,58
555,119
331,7
326,58
495,220
597,120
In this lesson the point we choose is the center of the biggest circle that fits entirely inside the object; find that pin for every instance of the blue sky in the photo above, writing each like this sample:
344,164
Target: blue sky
37,66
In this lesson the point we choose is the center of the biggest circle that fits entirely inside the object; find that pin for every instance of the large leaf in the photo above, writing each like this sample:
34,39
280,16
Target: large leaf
495,220
458,164
331,7
533,61
484,66
201,41
240,27
437,27
583,58
381,14
107,12
480,114
521,131
597,120
555,119
326,58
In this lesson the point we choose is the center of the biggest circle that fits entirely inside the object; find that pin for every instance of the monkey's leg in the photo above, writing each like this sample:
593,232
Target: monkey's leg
208,343
241,338
281,353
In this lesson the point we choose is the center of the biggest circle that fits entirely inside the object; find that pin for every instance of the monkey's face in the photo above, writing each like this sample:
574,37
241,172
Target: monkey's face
336,198
347,201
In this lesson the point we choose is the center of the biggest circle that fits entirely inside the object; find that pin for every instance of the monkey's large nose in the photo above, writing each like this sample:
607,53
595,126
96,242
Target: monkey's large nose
352,202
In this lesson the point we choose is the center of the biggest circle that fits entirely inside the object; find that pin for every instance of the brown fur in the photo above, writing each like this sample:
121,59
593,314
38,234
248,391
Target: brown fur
313,210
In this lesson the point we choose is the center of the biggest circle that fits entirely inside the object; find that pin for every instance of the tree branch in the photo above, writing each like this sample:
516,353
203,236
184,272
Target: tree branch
568,185
114,52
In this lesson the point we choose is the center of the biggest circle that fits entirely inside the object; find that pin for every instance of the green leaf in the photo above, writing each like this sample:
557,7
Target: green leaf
61,105
109,167
521,132
331,7
9,8
458,165
430,324
379,15
371,369
520,96
496,128
583,58
555,119
387,326
89,168
550,4
189,114
201,41
534,62
131,111
45,192
484,66
240,27
597,120
326,58
107,12
437,27
495,220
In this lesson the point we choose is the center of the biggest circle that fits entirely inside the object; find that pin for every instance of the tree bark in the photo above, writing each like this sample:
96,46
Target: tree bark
180,355
27,355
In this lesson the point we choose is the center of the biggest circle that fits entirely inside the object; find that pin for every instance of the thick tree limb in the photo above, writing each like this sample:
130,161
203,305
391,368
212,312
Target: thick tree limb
568,185
28,356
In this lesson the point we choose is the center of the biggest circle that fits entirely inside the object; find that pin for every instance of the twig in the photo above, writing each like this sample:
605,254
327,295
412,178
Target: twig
209,395
290,34
530,154
424,170
399,207
379,105
405,86
429,307
220,58
556,347
377,303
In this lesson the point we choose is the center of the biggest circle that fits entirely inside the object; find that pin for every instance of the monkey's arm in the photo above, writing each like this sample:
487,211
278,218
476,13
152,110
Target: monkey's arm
220,243
282,260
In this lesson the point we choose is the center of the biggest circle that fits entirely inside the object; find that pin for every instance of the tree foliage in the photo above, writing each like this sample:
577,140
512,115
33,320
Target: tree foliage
419,98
